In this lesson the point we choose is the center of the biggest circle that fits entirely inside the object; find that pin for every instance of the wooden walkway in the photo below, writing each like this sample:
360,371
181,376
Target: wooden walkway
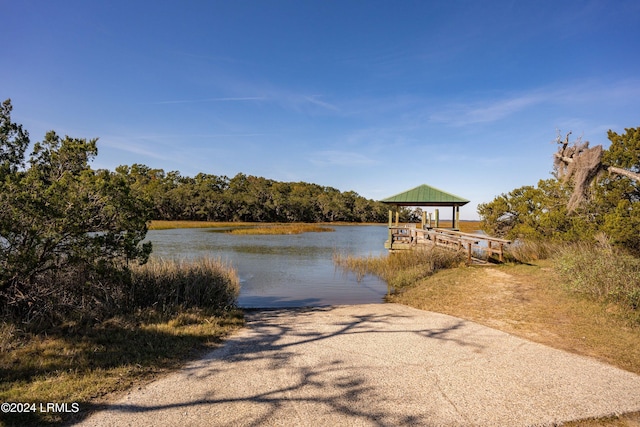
474,245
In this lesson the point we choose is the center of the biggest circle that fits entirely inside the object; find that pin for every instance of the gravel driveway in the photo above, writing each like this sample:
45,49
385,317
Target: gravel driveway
377,364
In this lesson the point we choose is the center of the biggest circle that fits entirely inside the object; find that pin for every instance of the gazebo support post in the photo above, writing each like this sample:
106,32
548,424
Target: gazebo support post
390,237
437,215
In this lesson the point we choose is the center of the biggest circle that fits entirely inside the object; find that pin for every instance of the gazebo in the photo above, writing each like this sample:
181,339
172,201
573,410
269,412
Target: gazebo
425,195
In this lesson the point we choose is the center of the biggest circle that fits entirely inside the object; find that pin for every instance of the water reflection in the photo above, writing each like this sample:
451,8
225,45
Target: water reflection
285,270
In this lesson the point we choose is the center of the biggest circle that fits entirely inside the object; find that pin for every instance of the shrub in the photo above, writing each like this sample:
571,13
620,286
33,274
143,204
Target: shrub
601,272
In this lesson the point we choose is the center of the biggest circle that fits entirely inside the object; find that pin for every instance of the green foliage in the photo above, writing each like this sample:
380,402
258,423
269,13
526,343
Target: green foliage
533,213
246,198
65,229
617,198
13,142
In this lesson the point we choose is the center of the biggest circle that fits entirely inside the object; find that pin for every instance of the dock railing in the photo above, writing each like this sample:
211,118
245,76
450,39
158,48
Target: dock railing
407,237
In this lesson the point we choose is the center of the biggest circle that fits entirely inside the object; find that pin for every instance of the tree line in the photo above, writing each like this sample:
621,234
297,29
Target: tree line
208,197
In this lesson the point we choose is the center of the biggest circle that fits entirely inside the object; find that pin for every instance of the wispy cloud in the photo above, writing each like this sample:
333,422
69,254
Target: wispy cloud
493,109
193,101
340,158
132,148
485,112
315,101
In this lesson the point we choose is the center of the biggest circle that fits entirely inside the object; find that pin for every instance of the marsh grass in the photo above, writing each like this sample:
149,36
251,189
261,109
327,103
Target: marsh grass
464,226
171,285
294,228
603,273
403,268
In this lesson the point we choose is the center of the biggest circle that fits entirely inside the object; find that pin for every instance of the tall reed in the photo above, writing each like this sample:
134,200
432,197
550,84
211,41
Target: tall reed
401,269
169,285
526,250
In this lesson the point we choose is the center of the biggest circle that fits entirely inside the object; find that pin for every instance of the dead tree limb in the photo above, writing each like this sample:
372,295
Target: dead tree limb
582,164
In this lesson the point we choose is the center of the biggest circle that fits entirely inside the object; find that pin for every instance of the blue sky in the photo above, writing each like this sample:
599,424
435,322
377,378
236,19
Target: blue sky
371,96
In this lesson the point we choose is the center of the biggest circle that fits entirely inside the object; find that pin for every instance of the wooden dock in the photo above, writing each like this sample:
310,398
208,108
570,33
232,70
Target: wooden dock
408,237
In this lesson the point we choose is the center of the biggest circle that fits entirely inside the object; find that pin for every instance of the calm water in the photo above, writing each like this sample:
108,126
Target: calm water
284,270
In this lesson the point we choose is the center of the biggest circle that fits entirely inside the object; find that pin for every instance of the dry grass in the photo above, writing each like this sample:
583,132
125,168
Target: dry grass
91,365
294,228
525,251
602,272
464,226
170,285
167,225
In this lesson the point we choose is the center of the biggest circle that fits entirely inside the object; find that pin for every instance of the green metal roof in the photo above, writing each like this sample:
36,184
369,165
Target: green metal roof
425,195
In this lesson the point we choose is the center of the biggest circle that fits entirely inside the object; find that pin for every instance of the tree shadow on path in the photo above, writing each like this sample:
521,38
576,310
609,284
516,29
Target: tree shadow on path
287,366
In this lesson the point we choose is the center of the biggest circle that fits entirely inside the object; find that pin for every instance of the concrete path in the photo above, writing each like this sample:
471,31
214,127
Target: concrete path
376,365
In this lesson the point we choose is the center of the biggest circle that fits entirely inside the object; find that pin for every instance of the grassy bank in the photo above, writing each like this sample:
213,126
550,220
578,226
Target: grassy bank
176,311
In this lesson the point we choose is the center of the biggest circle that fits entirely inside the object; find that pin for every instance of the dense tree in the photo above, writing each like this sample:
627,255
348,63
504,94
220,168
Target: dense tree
61,221
617,196
13,142
246,198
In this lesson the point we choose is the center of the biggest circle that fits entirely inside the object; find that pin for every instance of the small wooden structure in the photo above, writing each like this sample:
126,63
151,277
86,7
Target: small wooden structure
425,195
410,236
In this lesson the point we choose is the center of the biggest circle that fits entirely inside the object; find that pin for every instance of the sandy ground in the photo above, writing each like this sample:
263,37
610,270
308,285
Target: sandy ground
376,365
